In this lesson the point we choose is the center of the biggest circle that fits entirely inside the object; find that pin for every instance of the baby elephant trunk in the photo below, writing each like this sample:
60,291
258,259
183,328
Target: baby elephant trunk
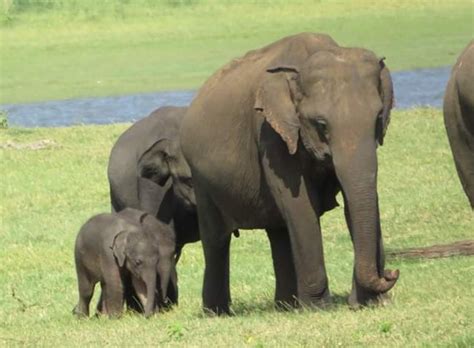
150,283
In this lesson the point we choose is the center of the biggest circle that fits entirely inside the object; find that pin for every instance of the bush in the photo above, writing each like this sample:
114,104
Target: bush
3,120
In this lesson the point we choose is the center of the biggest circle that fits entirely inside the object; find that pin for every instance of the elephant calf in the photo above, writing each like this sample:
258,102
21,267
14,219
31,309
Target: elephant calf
459,118
125,252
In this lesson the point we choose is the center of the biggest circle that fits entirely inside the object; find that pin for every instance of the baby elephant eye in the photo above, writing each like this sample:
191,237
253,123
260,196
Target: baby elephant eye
138,262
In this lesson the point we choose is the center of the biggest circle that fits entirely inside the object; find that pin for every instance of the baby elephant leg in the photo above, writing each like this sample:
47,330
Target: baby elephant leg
86,290
112,293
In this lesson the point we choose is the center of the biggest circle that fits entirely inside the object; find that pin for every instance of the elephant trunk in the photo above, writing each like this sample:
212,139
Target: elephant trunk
150,282
357,174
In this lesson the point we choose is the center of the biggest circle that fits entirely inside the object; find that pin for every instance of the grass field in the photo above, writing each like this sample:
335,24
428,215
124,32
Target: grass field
71,48
47,194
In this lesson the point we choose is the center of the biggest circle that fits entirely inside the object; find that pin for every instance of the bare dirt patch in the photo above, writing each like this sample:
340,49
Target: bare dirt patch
461,248
36,145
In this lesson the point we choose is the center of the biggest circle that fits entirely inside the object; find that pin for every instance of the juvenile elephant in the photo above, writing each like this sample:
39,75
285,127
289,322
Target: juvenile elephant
147,171
125,252
459,118
271,138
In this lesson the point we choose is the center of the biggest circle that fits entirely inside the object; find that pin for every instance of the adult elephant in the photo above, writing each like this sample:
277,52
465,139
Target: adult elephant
459,118
271,138
147,171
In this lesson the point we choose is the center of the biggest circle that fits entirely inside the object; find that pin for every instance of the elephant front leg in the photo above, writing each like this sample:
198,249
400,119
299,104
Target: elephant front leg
298,204
112,296
307,250
285,275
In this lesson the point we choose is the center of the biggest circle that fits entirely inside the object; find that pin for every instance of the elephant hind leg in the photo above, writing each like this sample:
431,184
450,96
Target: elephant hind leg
86,290
216,293
285,275
216,245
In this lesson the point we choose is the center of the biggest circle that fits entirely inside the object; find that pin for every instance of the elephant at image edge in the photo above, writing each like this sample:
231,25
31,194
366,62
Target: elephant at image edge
459,118
147,171
271,138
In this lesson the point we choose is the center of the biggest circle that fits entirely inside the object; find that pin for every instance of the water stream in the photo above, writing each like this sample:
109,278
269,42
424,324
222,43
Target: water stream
422,87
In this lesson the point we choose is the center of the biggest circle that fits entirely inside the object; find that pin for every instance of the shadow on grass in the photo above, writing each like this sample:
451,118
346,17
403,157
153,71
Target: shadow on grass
243,309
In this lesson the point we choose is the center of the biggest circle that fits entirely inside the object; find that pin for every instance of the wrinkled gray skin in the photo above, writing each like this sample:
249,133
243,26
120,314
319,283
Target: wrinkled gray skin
459,118
147,171
271,138
124,252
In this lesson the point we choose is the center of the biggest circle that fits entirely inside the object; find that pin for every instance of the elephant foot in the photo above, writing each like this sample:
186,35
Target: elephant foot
217,310
319,300
287,305
79,314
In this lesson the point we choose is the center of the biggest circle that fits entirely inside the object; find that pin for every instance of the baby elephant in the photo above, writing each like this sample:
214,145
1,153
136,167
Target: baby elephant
127,252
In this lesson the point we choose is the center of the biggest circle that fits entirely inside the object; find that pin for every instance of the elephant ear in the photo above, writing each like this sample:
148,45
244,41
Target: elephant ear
276,98
153,164
118,247
386,90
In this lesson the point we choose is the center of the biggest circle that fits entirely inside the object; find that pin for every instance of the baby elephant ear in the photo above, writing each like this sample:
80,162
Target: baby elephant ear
118,247
275,99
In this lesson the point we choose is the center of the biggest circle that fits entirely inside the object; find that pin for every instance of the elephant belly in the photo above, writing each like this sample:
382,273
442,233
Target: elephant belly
246,204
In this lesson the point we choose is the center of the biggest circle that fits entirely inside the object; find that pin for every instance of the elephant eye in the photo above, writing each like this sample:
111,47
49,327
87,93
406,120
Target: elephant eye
322,128
322,125
138,262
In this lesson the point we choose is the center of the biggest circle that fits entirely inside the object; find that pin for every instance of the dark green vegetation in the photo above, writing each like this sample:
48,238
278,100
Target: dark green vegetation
71,48
48,193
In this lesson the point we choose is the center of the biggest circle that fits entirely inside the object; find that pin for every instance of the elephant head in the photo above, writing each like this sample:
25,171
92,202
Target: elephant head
336,105
164,160
147,254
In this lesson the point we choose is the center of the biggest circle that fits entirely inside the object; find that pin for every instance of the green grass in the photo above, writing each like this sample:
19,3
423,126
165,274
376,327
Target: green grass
47,194
71,48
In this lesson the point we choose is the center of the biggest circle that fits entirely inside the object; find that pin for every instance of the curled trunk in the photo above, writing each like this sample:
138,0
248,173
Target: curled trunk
357,174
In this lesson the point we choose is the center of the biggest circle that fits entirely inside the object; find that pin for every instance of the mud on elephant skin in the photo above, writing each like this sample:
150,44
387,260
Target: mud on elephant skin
126,252
459,118
271,138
